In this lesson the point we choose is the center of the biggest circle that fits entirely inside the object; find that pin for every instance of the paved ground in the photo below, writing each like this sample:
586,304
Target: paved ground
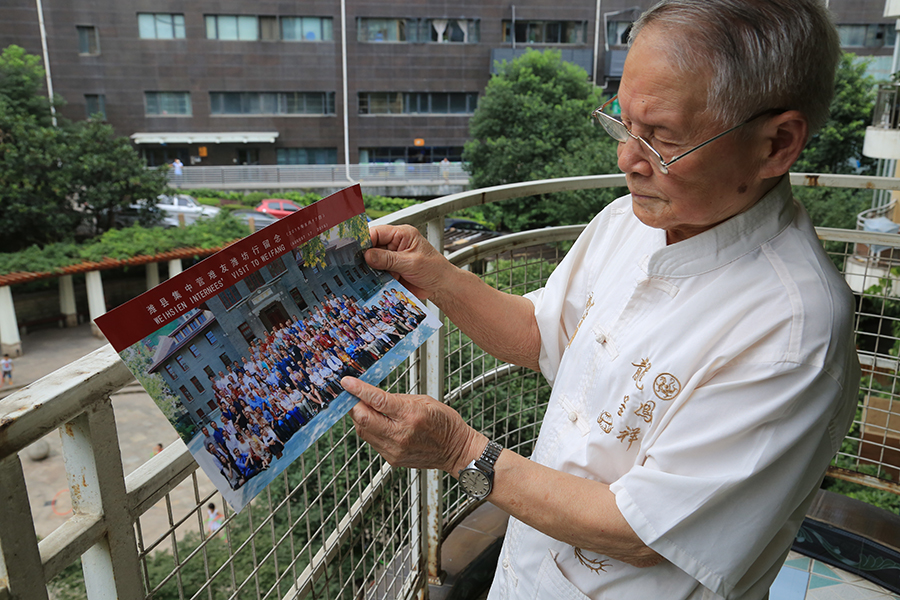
141,426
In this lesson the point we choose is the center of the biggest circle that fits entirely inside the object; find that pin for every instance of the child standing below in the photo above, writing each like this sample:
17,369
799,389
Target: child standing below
6,370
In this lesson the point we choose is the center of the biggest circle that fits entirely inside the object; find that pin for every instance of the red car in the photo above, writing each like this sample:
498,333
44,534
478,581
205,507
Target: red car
277,207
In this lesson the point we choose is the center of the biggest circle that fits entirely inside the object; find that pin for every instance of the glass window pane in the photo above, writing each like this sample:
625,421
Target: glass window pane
268,28
268,104
457,102
327,28
315,104
178,24
152,101
211,29
164,29
552,32
248,28
378,103
852,35
291,28
232,104
312,29
228,27
146,26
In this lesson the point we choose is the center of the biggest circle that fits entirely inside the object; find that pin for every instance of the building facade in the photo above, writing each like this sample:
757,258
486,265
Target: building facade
223,82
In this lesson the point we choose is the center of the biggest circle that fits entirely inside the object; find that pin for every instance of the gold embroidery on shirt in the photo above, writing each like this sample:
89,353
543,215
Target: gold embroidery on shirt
594,564
629,433
666,386
605,420
642,368
587,308
622,406
646,411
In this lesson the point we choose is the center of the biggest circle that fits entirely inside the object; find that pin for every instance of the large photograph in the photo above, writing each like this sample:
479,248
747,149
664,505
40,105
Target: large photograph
248,347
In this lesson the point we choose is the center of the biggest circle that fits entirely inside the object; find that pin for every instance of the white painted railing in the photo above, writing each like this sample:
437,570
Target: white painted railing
340,522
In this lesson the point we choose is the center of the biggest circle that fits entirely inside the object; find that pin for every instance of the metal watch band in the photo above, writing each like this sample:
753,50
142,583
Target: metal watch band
491,453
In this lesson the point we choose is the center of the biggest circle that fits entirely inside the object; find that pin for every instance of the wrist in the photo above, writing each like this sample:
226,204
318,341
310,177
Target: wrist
470,451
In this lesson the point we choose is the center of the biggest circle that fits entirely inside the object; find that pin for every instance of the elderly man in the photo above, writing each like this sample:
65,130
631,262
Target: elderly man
697,338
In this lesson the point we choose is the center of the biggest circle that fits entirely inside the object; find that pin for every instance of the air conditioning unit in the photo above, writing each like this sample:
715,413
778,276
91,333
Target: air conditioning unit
892,8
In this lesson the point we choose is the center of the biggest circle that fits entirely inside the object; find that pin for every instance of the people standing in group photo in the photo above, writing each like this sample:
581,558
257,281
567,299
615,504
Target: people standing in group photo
292,374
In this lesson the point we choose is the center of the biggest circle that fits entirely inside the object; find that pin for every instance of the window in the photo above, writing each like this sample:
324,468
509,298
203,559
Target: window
211,405
225,360
95,104
422,154
873,35
248,334
277,266
306,156
306,29
417,103
271,103
88,41
254,280
200,414
230,296
232,27
171,372
617,32
338,281
160,26
298,299
350,277
546,32
326,288
418,30
197,385
211,337
167,103
186,393
194,350
268,29
181,363
209,372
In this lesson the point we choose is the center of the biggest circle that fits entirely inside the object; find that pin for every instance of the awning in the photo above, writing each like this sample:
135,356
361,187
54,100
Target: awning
210,137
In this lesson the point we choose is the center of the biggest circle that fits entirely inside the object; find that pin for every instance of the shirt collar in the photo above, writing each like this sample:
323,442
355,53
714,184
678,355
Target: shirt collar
729,240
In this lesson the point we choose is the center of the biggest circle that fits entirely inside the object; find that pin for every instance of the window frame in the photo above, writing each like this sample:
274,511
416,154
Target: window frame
91,37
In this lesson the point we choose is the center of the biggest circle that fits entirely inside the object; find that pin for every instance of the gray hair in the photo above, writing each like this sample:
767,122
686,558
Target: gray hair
763,54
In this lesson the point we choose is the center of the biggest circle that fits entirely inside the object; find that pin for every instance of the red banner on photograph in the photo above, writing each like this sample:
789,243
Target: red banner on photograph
141,316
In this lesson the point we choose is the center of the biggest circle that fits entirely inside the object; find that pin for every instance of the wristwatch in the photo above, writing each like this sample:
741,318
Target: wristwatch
477,480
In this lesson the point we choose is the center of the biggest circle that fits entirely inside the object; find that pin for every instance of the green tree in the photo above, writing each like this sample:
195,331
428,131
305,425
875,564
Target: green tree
57,181
534,123
837,148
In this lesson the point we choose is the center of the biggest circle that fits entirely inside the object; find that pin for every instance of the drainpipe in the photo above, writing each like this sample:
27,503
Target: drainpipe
40,11
512,28
597,43
346,98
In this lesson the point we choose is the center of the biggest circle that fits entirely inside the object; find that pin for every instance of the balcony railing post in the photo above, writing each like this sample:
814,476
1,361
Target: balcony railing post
433,375
93,461
20,559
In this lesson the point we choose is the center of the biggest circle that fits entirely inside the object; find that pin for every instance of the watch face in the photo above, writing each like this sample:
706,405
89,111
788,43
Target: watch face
475,483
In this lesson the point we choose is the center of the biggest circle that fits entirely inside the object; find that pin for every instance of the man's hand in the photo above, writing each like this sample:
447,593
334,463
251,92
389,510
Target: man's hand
412,431
409,257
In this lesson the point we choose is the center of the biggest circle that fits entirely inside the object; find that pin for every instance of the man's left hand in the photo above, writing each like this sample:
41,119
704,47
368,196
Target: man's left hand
412,431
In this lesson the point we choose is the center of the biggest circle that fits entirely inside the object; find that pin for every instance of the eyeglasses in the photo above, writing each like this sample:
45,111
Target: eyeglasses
619,132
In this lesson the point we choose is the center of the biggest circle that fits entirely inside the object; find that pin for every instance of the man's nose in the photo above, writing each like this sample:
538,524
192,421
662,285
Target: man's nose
633,158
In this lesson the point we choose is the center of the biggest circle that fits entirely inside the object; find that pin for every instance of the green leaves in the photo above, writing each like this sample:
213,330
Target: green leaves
534,123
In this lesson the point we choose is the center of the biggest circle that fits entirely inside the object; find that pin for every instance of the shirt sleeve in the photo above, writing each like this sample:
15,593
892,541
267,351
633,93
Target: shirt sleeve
725,475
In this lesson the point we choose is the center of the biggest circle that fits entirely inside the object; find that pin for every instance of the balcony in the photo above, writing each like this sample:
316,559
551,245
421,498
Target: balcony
342,523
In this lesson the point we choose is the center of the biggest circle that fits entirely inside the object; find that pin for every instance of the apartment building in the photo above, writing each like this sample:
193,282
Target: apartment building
223,82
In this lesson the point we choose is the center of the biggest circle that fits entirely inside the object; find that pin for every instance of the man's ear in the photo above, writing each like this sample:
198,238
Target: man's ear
785,137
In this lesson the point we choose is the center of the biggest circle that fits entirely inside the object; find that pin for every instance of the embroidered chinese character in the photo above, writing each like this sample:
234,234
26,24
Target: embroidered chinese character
266,244
255,250
176,295
245,256
642,368
622,406
277,238
223,267
188,287
234,262
630,434
666,386
646,411
199,281
594,564
605,421
587,308
151,309
163,302
212,275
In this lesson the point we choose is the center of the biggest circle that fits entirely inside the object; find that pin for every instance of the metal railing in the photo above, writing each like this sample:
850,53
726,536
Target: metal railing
321,175
340,522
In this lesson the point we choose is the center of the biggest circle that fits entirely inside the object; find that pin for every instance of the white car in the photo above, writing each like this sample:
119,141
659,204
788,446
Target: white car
173,207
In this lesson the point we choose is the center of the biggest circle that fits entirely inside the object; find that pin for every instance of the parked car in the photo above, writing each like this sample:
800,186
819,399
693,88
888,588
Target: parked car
277,207
176,205
260,219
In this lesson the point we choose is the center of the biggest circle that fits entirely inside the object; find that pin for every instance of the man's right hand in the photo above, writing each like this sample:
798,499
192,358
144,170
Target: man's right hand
408,256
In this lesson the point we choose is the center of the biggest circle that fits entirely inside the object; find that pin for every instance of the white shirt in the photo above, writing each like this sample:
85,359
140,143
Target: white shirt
709,383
